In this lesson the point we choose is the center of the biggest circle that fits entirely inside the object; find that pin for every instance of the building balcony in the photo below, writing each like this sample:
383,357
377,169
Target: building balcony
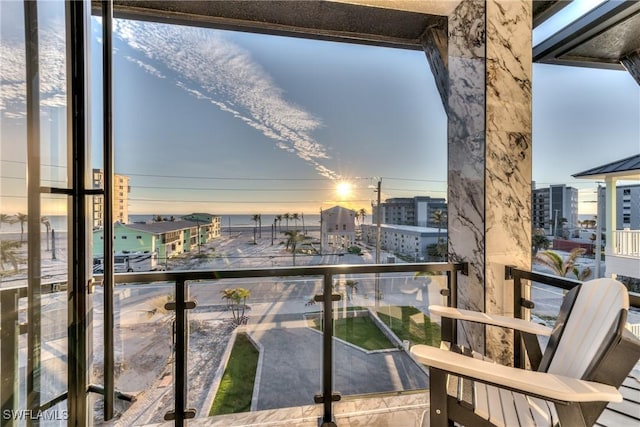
626,243
623,258
361,361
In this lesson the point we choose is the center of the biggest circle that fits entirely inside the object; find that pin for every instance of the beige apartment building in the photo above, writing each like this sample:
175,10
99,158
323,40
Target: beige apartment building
121,191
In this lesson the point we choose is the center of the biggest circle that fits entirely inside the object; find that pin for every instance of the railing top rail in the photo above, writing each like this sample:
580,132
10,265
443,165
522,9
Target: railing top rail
320,270
559,282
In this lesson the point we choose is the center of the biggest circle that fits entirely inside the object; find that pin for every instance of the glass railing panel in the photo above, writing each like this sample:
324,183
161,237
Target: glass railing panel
251,346
376,321
143,352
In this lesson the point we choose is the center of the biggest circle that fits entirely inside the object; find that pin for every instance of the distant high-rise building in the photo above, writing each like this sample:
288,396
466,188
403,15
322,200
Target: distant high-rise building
121,191
627,207
416,211
551,204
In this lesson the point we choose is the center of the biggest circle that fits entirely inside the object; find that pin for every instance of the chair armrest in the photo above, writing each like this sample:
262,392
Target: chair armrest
539,384
490,319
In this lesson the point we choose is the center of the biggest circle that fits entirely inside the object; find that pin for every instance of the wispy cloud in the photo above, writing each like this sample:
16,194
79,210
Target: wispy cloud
212,68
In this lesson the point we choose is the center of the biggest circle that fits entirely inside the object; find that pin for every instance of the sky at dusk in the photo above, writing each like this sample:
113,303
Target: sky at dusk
229,122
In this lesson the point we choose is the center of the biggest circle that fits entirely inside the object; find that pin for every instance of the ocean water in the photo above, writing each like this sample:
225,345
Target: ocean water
57,222
241,220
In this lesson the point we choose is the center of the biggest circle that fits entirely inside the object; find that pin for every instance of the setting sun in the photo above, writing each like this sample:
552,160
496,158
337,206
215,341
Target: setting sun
343,189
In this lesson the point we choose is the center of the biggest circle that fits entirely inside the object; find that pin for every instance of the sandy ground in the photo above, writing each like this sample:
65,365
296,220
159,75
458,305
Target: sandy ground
144,359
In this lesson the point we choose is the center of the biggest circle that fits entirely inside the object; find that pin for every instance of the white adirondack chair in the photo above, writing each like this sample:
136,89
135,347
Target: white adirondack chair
588,356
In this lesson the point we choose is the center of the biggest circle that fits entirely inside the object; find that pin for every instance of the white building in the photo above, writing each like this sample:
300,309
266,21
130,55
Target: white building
627,206
406,240
622,250
337,227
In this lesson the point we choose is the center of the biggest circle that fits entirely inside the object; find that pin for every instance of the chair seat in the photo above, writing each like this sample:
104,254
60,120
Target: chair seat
505,408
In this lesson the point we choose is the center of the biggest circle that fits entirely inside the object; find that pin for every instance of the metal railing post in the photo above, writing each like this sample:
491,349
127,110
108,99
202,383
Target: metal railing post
327,397
518,351
108,232
450,326
327,351
180,412
9,332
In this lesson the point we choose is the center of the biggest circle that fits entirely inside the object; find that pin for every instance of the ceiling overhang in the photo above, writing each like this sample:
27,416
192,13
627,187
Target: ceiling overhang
602,38
398,24
389,23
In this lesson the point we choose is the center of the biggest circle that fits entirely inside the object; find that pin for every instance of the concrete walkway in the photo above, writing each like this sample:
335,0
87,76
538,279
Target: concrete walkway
291,361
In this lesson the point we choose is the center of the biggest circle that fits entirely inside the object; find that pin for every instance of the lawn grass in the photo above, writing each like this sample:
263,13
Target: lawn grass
359,331
408,323
236,387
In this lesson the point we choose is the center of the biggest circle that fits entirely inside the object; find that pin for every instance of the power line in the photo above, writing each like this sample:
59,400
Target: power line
245,201
232,189
223,178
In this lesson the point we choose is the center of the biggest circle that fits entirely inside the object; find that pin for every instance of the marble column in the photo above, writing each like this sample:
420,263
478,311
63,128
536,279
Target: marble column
631,63
489,142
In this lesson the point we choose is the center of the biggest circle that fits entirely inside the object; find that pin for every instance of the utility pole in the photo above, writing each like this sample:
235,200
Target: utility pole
378,233
378,223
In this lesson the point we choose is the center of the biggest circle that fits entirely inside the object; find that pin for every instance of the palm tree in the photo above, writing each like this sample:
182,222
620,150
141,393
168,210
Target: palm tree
563,266
4,218
439,217
352,286
237,302
21,218
539,241
8,254
295,217
255,218
362,214
45,221
287,217
293,238
279,219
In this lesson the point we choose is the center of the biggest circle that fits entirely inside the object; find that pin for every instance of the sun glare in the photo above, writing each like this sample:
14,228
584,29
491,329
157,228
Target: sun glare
343,189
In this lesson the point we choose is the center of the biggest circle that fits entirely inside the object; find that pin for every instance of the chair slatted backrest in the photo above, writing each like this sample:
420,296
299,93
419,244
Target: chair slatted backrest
591,317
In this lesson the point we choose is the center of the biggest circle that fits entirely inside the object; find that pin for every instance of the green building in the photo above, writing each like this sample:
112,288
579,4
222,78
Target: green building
166,238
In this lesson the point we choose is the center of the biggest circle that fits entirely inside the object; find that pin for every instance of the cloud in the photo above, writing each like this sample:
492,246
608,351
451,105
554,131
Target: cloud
52,70
212,68
148,68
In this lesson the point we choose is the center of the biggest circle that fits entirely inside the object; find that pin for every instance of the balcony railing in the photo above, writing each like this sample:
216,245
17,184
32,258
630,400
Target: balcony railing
282,292
626,243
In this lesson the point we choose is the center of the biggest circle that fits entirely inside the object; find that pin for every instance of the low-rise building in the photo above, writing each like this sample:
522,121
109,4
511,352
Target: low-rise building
405,240
210,224
418,211
337,227
166,238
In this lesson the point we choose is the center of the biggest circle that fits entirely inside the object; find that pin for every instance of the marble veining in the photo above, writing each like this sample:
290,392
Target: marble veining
489,139
508,159
466,141
631,63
